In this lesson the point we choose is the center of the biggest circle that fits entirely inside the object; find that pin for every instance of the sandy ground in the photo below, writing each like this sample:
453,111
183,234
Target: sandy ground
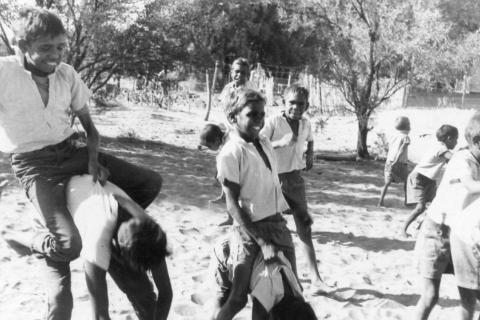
359,246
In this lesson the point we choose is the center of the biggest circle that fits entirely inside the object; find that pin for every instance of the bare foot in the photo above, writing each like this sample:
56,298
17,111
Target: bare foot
217,200
320,287
227,222
18,241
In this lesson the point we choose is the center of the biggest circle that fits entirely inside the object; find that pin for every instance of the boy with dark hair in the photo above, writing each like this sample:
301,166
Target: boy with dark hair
247,170
290,132
421,182
396,165
460,186
274,288
37,97
119,237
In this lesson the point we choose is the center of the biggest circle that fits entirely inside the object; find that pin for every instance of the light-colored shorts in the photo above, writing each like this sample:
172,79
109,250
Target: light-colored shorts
420,188
433,250
466,262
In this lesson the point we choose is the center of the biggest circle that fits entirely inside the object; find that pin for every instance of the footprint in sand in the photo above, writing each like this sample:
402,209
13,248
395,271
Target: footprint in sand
184,310
189,231
199,298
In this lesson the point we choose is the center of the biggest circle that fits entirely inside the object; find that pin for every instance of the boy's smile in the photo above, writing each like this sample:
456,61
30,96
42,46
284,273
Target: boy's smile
296,104
45,53
239,74
250,120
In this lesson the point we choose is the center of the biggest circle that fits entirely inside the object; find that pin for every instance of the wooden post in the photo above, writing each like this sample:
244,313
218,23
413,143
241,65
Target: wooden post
289,78
211,89
209,95
464,89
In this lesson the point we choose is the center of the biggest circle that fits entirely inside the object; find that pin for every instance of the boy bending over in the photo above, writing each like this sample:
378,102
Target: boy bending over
289,132
460,185
247,170
38,94
275,291
119,237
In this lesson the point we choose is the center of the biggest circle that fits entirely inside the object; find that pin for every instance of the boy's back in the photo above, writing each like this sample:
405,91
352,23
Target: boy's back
398,139
432,161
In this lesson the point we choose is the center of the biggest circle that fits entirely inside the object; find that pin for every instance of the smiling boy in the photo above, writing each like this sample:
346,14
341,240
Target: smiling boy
38,95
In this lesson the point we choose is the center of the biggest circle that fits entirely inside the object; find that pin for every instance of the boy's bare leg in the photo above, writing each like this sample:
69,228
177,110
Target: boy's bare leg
382,194
428,299
419,208
468,300
219,199
238,296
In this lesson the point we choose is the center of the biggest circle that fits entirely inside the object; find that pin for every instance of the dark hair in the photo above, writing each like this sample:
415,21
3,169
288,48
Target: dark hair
241,62
296,89
210,134
402,123
446,131
472,130
240,100
142,243
291,307
34,23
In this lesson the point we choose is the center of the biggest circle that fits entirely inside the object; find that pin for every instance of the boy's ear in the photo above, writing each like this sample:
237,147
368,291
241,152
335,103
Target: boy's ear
23,45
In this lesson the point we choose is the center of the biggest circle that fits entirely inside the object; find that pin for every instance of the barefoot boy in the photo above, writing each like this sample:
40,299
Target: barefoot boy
247,170
289,132
421,182
460,185
120,238
396,165
274,288
38,93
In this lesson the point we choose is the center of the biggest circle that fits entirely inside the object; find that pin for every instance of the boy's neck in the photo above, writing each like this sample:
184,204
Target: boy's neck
34,70
246,137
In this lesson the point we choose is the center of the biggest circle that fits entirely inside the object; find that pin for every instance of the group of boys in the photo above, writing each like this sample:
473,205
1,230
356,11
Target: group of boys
449,237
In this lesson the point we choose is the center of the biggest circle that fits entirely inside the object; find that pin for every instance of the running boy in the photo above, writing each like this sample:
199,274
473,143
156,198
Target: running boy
289,132
119,237
247,170
274,289
396,165
421,182
460,185
214,137
38,93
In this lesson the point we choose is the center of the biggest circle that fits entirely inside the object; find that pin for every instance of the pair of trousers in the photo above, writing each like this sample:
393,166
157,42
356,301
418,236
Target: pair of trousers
44,175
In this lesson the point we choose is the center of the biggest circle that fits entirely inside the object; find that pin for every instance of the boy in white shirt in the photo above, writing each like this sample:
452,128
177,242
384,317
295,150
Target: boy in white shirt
247,170
422,181
289,133
459,187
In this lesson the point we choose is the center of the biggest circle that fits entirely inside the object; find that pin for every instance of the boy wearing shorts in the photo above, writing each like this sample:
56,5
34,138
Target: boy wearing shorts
289,133
247,170
38,95
459,187
422,181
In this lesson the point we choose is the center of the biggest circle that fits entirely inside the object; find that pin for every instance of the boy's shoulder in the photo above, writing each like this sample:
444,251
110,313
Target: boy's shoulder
10,63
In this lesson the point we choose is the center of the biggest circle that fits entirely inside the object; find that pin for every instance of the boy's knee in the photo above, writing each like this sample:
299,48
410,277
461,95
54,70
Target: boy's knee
70,247
237,303
430,298
154,185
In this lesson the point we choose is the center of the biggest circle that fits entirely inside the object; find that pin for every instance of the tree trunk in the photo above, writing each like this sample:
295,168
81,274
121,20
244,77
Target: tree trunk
362,149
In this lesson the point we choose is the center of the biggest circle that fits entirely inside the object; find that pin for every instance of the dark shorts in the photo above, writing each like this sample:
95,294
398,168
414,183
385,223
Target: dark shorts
397,172
293,188
466,262
433,250
420,189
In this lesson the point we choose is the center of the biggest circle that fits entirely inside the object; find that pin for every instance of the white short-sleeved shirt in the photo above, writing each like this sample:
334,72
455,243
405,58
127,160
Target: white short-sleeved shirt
398,139
433,160
291,157
95,212
452,197
260,191
26,124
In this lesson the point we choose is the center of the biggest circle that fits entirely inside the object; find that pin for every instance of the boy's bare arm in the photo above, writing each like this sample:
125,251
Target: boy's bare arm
131,206
309,155
97,288
287,140
94,168
232,194
164,289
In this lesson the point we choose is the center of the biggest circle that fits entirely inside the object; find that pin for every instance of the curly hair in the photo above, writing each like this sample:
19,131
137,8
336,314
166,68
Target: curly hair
34,23
241,99
296,89
142,243
402,123
210,133
446,131
291,307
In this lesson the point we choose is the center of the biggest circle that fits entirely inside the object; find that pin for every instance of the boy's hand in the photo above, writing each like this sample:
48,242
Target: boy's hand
309,161
287,140
98,172
268,251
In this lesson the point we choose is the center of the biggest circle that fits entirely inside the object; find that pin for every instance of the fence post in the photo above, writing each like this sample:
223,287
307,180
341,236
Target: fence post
464,89
211,89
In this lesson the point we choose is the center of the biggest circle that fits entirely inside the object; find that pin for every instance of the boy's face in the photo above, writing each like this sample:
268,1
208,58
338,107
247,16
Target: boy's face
239,74
451,142
45,53
295,105
214,146
250,120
